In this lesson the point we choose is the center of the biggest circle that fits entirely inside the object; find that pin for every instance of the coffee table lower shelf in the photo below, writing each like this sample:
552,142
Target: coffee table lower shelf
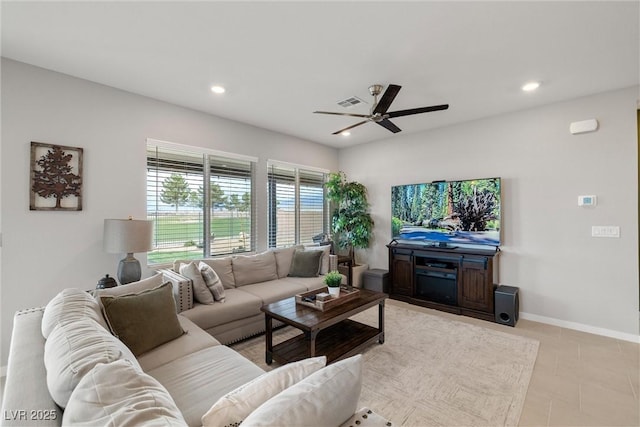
337,342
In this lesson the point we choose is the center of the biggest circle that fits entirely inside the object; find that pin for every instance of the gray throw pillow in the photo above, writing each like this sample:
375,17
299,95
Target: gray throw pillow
143,321
305,263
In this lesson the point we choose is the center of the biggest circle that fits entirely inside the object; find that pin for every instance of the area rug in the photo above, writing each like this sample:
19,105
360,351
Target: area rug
432,371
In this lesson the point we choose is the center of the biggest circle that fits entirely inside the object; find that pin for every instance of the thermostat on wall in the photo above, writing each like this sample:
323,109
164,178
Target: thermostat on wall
587,200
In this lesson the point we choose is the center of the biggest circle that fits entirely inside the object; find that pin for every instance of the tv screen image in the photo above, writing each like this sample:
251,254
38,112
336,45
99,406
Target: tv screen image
449,212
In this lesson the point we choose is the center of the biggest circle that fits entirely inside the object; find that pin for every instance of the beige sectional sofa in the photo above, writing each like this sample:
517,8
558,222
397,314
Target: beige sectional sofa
249,281
66,367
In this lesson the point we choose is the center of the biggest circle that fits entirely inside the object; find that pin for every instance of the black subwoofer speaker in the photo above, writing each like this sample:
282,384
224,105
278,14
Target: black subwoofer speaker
507,305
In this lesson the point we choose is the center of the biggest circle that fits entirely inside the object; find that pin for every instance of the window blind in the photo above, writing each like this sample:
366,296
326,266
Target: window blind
297,208
201,204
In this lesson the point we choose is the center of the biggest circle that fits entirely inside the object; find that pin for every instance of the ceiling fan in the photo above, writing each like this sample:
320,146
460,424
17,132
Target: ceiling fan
379,112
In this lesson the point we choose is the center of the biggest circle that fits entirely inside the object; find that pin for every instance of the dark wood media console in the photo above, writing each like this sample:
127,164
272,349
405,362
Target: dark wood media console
455,280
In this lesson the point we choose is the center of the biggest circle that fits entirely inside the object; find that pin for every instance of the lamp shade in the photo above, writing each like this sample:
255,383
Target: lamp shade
128,235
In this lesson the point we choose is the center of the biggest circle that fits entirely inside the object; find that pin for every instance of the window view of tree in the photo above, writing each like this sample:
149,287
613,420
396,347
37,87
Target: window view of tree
176,203
175,191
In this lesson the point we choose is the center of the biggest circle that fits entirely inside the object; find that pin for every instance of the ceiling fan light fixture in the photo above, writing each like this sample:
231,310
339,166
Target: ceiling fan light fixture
218,89
530,86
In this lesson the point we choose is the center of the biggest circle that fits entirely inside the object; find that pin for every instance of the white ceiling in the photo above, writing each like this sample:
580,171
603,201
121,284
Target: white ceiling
280,61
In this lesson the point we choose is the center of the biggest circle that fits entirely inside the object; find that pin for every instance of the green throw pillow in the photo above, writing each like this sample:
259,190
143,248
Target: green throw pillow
305,263
143,321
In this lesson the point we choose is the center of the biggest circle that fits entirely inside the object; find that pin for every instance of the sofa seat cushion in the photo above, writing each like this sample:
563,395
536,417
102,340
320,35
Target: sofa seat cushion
120,394
309,283
198,380
194,339
274,290
248,269
237,305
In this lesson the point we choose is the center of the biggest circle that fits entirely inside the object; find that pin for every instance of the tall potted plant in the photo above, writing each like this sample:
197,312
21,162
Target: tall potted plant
351,224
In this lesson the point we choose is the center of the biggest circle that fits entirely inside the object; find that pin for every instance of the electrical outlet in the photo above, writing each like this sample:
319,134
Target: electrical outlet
605,231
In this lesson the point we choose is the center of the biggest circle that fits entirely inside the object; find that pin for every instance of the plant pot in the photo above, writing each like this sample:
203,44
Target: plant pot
334,291
356,271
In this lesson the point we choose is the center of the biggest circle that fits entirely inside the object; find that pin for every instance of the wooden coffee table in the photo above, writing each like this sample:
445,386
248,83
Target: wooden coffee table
330,333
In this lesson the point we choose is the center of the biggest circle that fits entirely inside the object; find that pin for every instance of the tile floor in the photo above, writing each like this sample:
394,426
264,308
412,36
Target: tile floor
579,379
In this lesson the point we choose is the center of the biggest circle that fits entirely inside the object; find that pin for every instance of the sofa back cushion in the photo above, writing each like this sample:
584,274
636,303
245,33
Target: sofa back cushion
248,269
143,321
68,306
222,267
120,394
73,349
130,288
284,256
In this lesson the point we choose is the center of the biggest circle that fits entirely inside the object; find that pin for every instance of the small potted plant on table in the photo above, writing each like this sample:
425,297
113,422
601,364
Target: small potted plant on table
333,279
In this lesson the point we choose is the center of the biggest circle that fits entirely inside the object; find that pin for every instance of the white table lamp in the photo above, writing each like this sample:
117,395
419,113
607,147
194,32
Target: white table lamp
128,236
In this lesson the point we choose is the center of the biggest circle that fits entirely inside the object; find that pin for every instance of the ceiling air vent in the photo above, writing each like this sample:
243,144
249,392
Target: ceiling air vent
351,102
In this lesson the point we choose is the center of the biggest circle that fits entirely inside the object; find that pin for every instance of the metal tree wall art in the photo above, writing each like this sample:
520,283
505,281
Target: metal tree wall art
56,177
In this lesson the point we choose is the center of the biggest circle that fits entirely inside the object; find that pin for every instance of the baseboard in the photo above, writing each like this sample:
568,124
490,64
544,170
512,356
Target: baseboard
581,327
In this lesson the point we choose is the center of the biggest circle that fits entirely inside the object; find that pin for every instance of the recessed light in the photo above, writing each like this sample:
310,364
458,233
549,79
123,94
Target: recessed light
345,133
217,89
530,86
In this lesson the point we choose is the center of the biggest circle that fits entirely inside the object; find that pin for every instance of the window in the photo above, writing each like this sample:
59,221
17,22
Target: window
190,191
297,209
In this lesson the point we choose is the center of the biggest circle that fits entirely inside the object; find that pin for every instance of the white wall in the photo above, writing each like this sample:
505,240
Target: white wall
44,252
563,273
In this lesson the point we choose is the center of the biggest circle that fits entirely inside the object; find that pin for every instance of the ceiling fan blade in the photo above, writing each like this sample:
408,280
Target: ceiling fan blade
350,127
387,98
386,123
342,114
411,111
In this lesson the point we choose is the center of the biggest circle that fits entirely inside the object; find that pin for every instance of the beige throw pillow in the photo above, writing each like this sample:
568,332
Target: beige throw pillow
70,305
73,349
327,397
201,292
236,405
120,394
143,321
212,281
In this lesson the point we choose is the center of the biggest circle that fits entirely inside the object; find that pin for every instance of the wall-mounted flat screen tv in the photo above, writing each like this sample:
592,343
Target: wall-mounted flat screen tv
447,212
